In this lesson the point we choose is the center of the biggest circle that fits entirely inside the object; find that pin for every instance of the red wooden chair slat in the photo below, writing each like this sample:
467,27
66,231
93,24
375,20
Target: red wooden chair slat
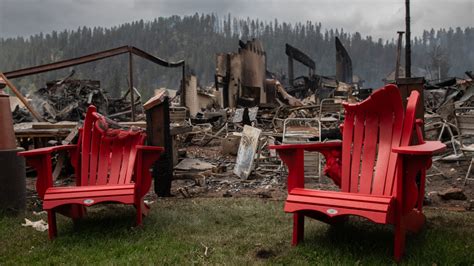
53,190
116,161
348,131
106,170
336,195
375,164
341,202
368,154
90,194
132,157
94,156
103,162
383,156
127,143
356,152
86,148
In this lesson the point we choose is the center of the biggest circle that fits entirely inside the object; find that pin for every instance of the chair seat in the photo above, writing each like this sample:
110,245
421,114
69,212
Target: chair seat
88,195
333,203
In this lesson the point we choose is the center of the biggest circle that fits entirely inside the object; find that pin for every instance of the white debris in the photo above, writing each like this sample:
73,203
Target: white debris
37,225
149,202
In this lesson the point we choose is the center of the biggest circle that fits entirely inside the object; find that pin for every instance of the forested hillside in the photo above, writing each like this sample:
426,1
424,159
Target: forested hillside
197,38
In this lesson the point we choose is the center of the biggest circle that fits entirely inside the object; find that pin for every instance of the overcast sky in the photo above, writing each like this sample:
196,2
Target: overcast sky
378,18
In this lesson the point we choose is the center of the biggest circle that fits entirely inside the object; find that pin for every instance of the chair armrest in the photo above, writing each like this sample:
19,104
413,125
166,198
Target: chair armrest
146,156
147,149
293,156
427,148
47,150
416,160
40,160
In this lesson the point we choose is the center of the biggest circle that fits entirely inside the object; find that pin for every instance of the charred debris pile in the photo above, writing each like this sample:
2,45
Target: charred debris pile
67,100
230,124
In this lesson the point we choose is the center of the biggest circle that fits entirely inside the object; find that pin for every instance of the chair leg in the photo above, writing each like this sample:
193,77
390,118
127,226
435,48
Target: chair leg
138,206
399,243
52,228
78,211
468,171
298,228
145,208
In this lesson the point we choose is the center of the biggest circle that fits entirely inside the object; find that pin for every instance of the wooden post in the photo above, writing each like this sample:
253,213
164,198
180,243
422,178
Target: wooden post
183,87
406,85
159,134
18,94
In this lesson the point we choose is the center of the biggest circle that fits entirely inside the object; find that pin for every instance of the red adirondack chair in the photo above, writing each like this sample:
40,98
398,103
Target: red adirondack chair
375,166
111,165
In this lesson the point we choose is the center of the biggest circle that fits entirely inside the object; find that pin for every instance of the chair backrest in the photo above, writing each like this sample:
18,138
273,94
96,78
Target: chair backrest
178,114
330,106
107,155
465,120
371,128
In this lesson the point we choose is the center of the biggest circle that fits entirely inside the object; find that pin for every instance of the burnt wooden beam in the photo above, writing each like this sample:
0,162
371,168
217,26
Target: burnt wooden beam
159,134
20,96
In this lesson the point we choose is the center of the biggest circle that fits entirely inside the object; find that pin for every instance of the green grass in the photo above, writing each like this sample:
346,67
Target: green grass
236,231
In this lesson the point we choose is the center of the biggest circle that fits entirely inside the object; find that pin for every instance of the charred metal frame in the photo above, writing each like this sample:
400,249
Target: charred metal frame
131,50
294,53
343,63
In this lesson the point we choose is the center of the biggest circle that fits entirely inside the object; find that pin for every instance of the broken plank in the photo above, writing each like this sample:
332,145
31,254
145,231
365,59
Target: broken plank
247,149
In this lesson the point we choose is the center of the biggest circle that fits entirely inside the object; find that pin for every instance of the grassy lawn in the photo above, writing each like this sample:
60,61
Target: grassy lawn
235,231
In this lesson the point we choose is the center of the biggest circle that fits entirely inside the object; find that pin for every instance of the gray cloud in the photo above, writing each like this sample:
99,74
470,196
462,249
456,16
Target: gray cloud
378,18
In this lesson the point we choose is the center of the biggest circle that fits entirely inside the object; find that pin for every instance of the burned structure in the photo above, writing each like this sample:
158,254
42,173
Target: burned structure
241,76
130,50
340,86
303,86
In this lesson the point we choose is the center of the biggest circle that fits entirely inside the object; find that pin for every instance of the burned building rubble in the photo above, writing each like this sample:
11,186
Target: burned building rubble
67,100
241,76
218,135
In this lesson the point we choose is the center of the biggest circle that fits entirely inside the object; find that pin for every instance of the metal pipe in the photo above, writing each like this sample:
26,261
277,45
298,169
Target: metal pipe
90,58
130,76
407,40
